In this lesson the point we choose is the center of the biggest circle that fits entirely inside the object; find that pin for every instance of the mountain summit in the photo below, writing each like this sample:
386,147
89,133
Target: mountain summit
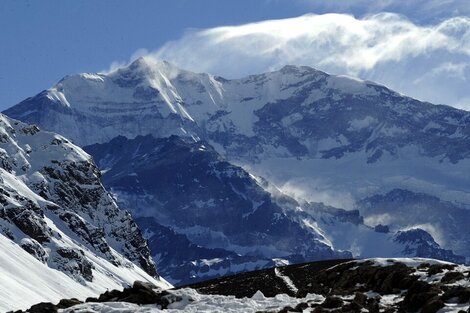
295,111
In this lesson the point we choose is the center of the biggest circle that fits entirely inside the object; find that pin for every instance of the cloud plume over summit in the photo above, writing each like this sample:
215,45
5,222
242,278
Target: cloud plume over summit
430,62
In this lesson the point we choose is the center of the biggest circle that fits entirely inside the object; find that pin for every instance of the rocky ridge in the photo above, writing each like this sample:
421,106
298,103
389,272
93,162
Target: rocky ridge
53,206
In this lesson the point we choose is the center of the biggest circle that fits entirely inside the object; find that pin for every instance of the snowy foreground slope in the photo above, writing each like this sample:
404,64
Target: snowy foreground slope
26,280
399,166
372,285
60,231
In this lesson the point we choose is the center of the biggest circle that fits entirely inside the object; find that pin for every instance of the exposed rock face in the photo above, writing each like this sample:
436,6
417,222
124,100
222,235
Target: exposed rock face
53,205
218,209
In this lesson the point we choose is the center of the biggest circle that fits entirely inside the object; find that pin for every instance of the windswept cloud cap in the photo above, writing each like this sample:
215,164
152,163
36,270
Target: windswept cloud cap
429,62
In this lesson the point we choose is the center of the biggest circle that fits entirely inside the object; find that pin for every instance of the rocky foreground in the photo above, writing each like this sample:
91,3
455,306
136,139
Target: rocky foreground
374,285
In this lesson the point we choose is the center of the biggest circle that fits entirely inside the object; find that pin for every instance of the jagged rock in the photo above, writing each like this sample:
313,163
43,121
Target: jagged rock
74,262
67,303
451,277
35,249
63,174
332,302
439,268
459,292
432,306
43,307
419,294
30,220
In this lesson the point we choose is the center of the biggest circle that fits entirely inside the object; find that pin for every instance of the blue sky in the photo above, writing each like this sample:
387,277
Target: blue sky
42,41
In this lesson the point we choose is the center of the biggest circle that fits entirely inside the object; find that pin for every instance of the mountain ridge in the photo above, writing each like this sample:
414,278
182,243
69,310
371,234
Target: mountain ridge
59,227
185,193
320,138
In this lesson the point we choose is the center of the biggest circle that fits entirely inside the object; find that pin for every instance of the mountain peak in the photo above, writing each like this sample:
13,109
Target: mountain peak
146,62
150,66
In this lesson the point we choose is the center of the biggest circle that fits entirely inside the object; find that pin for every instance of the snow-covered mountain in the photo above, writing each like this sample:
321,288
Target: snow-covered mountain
61,233
296,111
205,217
211,204
357,136
318,137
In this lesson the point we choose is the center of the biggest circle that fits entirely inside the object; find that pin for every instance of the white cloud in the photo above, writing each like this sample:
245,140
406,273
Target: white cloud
317,190
374,220
330,40
118,64
114,66
421,11
421,61
449,69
